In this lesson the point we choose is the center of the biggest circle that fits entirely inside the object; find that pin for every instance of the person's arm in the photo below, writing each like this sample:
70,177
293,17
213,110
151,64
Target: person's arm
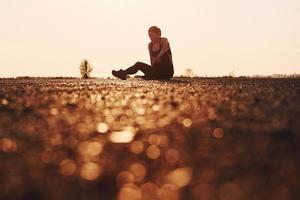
151,56
165,47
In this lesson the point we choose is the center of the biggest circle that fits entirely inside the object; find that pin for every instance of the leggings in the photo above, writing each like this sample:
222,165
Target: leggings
145,68
149,71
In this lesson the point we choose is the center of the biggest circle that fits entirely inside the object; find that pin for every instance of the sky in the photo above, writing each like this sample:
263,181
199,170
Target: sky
212,37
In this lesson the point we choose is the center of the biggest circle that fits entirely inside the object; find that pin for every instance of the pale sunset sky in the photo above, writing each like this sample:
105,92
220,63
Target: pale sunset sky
213,37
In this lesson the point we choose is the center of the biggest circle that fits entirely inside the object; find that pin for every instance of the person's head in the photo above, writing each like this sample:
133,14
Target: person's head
154,33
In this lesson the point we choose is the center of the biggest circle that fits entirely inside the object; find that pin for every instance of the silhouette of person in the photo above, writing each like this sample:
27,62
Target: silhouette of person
160,56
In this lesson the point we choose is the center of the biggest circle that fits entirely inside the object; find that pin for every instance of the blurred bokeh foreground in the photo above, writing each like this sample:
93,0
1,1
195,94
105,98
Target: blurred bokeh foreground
198,139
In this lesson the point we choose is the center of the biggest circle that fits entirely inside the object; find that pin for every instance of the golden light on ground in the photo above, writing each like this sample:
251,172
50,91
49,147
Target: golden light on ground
124,136
124,177
211,113
187,122
153,152
48,156
130,193
71,142
91,148
102,127
141,111
149,191
137,147
8,145
90,171
129,112
138,170
218,133
4,102
67,167
164,140
169,191
54,152
56,139
172,155
53,111
155,107
180,177
154,139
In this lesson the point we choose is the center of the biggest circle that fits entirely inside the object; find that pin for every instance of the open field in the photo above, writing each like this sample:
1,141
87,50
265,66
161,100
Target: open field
198,139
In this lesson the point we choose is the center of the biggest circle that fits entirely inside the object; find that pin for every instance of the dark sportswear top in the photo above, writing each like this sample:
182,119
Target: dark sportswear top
163,69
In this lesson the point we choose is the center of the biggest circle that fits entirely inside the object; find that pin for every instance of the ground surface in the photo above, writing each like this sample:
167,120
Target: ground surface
218,139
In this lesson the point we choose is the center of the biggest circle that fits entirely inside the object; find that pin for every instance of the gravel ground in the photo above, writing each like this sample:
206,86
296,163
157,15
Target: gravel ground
198,139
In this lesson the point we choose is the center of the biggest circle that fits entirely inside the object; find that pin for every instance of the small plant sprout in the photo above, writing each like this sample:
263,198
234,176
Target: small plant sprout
85,69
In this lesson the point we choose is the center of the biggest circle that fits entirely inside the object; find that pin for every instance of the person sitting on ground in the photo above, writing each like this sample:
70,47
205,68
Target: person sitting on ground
160,56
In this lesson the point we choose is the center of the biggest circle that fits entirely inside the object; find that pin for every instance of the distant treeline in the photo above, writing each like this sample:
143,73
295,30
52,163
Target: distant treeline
178,76
253,76
41,77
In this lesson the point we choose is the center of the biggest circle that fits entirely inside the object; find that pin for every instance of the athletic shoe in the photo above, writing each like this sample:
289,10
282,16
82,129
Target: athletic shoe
119,74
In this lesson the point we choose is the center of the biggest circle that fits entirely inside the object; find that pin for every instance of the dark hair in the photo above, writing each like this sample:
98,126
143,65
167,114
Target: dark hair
154,29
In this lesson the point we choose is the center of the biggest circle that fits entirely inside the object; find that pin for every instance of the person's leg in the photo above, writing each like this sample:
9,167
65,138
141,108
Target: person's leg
145,68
